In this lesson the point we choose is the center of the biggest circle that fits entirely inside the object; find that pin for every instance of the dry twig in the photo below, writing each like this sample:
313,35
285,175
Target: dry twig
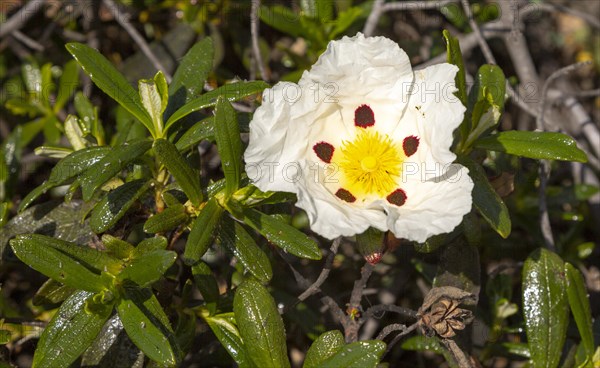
255,46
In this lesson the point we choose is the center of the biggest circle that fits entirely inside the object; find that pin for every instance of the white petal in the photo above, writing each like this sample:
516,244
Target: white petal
330,217
435,108
278,137
432,207
358,65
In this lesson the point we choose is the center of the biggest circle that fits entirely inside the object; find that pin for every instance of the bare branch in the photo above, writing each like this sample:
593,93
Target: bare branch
315,287
397,338
255,46
29,42
389,329
21,17
123,19
405,312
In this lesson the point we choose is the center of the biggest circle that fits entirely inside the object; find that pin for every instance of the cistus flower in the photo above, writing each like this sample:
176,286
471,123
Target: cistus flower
364,141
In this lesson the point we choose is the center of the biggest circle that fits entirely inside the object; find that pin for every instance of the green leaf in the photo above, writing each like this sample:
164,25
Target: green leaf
323,348
109,80
70,332
260,325
229,143
74,133
235,238
282,19
116,247
537,145
545,307
224,328
206,282
51,292
485,116
360,354
454,57
580,307
148,267
149,245
115,204
147,325
486,200
86,112
188,179
204,129
189,78
32,78
69,80
233,92
110,165
344,20
288,238
202,233
490,79
152,102
62,261
370,244
168,219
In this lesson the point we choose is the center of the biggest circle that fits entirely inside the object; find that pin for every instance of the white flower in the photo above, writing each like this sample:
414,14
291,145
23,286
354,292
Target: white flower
364,141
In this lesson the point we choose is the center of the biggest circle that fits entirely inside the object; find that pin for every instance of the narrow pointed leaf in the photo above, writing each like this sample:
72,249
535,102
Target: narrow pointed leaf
149,245
286,237
151,100
204,129
69,333
148,267
116,247
229,143
51,292
486,200
205,282
109,80
235,238
323,348
189,78
545,307
115,204
224,328
147,325
67,84
188,178
260,325
454,56
537,145
580,307
168,219
48,256
360,354
109,166
202,233
232,92
67,168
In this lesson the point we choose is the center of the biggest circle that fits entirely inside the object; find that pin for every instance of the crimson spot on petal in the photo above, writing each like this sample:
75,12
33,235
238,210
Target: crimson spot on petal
364,116
345,195
324,151
397,197
410,145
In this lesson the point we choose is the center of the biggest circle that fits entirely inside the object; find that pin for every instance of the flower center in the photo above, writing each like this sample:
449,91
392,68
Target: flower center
370,164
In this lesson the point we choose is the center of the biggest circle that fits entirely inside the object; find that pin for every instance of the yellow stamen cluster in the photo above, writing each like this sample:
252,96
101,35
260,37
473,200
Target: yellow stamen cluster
370,164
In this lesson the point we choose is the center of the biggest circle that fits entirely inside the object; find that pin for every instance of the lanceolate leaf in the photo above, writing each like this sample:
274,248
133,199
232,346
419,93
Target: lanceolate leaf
232,92
286,237
147,325
538,145
204,129
229,143
580,307
323,348
111,165
360,354
260,325
189,78
202,233
206,282
116,203
168,219
70,332
49,256
235,238
454,56
69,80
148,267
188,179
109,80
545,307
486,200
224,328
